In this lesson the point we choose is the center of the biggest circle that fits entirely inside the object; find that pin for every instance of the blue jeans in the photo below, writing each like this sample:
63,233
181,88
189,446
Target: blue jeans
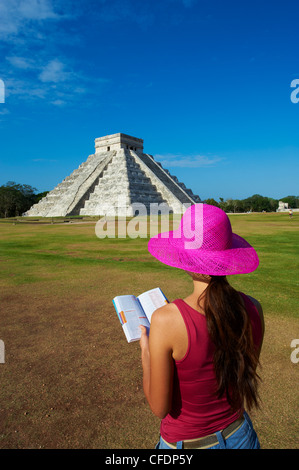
244,438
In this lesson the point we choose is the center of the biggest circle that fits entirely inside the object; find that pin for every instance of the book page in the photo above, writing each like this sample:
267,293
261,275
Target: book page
131,315
151,300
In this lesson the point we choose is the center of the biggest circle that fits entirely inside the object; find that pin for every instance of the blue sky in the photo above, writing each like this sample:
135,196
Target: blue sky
205,83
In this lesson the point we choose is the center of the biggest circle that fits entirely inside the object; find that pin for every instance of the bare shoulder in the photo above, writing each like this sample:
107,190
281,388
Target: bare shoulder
165,314
168,328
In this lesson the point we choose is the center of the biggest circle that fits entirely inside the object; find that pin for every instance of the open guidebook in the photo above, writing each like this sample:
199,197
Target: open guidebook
134,311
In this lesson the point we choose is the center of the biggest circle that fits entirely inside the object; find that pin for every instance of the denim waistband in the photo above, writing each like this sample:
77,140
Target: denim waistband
207,441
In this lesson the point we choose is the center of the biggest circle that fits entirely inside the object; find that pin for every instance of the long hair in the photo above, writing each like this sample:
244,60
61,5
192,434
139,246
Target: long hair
236,357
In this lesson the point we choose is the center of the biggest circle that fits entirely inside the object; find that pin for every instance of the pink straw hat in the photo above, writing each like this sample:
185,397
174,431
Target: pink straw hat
204,243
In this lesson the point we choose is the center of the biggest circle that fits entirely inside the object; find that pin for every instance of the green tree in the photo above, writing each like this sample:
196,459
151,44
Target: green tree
15,199
229,207
273,204
222,203
212,202
257,203
293,201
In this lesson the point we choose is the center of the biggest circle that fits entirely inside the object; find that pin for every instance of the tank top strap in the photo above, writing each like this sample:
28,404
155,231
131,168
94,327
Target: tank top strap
186,311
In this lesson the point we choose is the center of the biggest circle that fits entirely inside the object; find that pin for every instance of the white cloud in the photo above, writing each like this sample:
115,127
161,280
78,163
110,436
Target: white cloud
53,81
16,14
54,71
21,62
186,161
58,102
44,74
23,89
37,10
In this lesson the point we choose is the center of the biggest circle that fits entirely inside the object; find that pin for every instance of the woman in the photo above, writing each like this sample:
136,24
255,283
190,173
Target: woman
200,359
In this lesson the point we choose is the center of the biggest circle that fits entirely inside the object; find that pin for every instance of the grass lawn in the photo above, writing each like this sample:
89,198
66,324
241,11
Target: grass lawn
70,379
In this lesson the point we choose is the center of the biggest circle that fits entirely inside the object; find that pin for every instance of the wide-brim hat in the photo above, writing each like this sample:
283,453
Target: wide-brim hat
204,243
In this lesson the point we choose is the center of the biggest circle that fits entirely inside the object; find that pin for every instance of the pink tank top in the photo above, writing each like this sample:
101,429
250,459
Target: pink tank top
196,410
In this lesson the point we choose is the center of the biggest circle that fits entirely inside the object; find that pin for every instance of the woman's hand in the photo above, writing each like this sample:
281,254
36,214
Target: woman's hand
144,342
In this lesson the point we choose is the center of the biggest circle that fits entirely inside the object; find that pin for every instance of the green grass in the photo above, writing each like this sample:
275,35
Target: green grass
273,235
70,380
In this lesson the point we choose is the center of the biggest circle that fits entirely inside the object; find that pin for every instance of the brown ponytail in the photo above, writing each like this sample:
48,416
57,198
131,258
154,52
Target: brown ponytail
236,356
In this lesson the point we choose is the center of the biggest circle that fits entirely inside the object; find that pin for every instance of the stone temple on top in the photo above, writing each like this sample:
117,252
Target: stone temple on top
117,178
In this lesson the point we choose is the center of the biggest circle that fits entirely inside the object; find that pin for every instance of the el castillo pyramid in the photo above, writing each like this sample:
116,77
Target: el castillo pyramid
118,175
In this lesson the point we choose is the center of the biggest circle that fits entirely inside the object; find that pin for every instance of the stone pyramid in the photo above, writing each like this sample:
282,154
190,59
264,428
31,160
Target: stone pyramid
114,181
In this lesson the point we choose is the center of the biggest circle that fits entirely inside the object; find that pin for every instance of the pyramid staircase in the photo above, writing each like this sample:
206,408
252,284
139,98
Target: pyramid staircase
121,184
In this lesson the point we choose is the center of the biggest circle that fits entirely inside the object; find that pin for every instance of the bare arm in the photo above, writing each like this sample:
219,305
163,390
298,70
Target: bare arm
157,363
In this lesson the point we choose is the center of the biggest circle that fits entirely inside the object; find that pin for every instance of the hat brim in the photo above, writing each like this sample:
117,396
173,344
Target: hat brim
240,258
